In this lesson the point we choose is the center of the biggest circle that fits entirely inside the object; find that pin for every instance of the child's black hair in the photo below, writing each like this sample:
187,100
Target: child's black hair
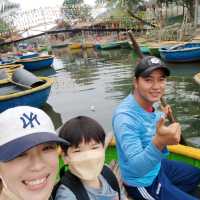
80,129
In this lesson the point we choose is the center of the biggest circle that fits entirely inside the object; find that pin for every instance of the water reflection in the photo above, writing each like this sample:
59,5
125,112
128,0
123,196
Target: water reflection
184,96
50,71
101,79
184,69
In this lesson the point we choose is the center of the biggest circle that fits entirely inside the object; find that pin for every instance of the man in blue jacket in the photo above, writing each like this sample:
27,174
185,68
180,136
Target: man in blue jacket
142,136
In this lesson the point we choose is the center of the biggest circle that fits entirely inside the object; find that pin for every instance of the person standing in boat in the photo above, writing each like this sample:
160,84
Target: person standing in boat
142,137
28,154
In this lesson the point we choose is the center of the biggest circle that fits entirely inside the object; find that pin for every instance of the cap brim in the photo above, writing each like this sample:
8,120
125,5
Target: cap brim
11,150
150,69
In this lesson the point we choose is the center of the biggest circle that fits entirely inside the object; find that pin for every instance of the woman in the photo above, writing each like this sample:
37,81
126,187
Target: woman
28,154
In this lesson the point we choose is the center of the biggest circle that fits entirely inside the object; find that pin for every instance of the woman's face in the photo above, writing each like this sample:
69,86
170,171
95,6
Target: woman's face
32,175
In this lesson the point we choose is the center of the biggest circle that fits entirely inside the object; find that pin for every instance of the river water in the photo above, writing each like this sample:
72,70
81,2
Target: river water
93,83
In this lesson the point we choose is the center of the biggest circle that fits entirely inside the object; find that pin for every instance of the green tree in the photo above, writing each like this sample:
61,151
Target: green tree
189,4
85,13
120,3
72,8
131,7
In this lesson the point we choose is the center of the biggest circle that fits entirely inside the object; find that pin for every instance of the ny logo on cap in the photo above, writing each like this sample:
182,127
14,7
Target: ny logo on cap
155,61
29,120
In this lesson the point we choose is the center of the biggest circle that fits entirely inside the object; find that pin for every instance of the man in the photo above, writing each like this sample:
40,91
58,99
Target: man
142,136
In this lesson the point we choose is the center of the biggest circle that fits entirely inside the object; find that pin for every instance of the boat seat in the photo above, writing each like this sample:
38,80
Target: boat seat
115,168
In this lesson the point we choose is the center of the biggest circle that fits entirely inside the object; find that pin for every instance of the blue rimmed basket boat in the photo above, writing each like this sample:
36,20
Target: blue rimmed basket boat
36,63
9,68
28,55
187,52
12,95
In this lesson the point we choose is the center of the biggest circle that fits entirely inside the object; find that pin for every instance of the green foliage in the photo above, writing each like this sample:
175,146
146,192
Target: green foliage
4,27
174,19
76,9
119,3
189,4
72,2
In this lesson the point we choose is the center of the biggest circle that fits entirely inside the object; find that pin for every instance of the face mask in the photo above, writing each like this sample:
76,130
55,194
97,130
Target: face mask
87,165
6,192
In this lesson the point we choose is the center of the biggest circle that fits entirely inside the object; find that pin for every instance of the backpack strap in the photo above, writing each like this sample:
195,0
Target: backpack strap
75,185
53,193
56,186
110,177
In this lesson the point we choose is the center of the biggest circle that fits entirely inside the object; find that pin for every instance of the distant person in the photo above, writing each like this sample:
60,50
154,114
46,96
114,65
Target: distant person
87,178
142,137
28,154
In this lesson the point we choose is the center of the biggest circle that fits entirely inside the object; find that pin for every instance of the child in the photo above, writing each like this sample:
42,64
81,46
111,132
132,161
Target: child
28,154
87,177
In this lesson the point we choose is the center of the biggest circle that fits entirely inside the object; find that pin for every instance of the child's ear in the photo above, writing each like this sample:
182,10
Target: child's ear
135,83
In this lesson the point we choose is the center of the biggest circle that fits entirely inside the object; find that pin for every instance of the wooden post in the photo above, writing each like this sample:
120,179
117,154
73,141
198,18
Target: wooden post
196,13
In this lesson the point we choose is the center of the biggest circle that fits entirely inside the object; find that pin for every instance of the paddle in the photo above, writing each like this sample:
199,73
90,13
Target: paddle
137,50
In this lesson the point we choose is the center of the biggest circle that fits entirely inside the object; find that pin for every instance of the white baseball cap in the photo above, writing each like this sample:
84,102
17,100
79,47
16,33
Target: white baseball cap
22,128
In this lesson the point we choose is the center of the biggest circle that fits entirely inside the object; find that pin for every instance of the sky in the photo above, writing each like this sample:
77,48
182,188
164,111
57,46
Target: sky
31,4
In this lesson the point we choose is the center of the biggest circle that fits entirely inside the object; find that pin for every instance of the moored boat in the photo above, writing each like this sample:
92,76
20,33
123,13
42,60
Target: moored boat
10,68
12,94
154,46
144,49
75,46
36,63
6,71
187,52
109,45
28,55
59,45
97,46
124,44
